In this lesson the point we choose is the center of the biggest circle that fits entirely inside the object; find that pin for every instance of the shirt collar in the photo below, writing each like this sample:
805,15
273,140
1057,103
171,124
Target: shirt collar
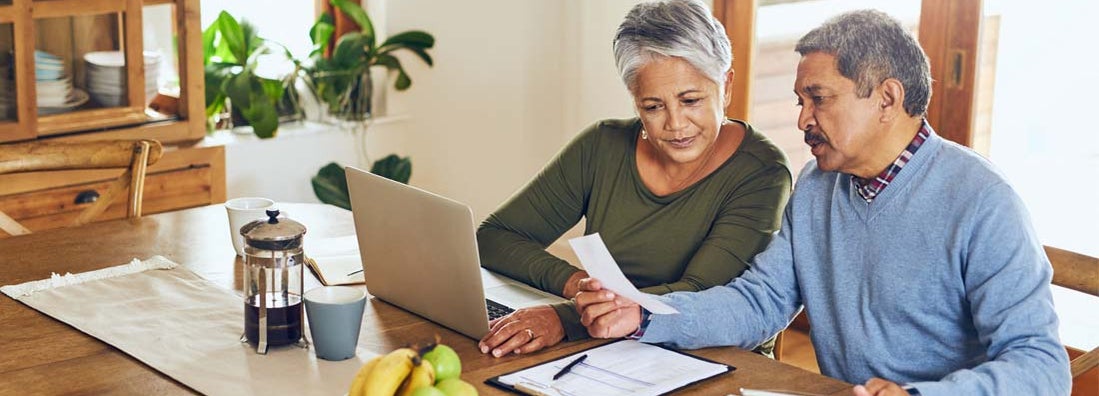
868,189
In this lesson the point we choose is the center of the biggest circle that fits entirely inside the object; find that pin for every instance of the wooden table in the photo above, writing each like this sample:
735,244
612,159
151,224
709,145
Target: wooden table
39,355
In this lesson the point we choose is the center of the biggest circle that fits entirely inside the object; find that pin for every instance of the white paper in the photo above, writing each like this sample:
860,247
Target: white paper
597,260
625,367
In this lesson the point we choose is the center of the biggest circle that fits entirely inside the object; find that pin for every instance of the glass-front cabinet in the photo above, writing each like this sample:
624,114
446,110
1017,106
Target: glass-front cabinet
105,69
116,68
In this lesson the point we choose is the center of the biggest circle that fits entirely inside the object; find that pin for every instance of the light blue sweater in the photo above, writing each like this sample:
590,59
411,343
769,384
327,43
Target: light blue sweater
939,283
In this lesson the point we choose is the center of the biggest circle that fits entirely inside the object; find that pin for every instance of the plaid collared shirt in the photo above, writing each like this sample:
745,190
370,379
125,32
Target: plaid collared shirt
868,189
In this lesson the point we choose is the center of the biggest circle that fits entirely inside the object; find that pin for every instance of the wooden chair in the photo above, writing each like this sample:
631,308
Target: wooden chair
1081,273
134,155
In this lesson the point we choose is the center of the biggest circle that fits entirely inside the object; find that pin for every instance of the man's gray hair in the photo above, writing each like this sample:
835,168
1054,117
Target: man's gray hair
681,28
870,47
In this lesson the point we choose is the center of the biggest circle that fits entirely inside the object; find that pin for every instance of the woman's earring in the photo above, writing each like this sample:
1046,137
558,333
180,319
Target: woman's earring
724,121
644,135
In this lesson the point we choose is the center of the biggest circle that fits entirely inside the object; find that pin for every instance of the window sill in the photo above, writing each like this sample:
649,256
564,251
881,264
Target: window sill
292,130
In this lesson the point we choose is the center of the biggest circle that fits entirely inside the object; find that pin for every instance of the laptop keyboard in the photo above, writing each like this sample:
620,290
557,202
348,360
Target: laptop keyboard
496,310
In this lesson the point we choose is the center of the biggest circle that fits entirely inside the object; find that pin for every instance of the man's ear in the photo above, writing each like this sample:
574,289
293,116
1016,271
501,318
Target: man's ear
891,99
728,97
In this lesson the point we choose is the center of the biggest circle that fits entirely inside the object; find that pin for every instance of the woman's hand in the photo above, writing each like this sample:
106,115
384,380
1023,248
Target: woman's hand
603,313
523,331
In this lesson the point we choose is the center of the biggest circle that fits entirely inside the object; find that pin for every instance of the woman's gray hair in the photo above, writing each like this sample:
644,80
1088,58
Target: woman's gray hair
871,46
681,28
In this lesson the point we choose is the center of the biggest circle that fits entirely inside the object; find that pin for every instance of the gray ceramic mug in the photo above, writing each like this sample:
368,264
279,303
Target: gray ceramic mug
335,316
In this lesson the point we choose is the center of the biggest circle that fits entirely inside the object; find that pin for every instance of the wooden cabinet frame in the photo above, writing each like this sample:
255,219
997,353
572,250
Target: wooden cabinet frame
105,123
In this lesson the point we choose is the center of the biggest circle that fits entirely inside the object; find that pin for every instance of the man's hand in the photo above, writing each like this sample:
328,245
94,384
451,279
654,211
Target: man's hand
605,314
523,331
879,387
572,286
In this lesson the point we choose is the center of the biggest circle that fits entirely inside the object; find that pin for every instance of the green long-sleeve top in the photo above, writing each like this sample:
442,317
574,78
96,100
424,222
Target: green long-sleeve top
690,240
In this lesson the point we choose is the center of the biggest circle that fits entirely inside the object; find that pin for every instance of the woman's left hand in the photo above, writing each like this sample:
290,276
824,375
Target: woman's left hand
523,331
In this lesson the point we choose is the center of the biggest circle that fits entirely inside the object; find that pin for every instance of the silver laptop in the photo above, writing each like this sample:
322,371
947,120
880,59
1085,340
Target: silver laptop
419,252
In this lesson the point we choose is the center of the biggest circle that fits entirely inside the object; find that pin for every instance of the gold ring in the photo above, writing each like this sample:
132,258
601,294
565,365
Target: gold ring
530,333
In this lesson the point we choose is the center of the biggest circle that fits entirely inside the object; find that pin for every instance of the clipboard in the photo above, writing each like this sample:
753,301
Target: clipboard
613,368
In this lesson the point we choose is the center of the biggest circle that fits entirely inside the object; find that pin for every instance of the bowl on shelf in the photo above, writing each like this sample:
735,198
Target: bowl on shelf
106,77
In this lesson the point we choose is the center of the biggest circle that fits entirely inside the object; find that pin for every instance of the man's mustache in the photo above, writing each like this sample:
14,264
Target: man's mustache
812,138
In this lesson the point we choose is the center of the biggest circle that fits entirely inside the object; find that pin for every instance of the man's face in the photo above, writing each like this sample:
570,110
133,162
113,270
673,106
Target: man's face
840,127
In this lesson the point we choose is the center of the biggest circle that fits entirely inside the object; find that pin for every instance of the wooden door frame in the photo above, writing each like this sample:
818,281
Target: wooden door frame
949,34
739,19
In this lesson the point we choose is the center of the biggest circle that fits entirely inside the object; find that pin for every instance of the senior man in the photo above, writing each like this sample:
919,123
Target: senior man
913,257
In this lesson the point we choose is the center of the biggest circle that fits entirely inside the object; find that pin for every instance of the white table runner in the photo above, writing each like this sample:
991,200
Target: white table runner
183,326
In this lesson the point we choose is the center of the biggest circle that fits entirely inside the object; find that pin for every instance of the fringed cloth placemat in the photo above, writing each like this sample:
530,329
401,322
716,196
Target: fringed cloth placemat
183,326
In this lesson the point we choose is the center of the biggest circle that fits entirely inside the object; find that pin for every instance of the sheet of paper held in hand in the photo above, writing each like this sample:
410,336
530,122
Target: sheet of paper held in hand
598,262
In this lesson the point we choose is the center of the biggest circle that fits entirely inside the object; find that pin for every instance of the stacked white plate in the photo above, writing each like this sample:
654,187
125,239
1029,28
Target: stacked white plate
105,73
55,90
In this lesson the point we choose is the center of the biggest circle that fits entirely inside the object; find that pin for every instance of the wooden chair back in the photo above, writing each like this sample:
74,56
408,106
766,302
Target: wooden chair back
1081,273
134,155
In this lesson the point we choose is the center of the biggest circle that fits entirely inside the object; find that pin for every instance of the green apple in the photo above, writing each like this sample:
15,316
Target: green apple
428,391
445,362
456,387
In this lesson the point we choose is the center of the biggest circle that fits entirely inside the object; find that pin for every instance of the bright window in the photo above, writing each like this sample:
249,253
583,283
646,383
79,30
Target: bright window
286,22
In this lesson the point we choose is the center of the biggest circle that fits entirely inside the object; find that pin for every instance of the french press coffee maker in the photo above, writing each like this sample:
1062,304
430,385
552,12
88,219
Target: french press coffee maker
273,274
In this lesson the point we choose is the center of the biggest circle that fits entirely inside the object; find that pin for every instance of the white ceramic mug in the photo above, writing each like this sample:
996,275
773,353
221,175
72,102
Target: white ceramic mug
243,211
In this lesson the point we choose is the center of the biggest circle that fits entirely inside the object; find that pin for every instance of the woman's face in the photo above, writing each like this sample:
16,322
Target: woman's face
680,108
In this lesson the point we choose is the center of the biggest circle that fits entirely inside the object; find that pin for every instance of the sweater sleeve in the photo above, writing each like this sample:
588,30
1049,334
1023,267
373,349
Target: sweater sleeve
512,241
748,220
1006,277
744,312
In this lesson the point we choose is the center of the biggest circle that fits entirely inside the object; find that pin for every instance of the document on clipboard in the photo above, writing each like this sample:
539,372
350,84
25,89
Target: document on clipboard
625,367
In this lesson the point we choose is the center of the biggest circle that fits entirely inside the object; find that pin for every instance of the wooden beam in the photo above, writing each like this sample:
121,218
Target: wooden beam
68,8
739,19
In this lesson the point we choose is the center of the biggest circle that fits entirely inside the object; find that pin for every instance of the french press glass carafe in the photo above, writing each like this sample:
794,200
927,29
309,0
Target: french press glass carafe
273,274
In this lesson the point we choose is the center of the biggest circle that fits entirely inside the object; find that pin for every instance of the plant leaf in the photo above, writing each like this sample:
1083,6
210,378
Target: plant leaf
322,30
330,186
358,14
411,38
215,75
394,168
263,117
232,36
272,88
239,88
423,55
208,37
403,81
349,52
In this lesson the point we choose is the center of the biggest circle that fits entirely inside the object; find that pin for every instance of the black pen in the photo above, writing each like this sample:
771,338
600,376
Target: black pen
569,367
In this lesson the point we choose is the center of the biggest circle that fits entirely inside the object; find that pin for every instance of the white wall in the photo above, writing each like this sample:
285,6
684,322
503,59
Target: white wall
513,81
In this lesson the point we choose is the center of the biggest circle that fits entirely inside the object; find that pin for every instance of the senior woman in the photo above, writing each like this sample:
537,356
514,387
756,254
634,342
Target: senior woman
682,196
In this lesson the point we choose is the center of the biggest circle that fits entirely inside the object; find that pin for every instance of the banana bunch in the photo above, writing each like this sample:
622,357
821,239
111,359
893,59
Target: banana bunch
412,372
397,373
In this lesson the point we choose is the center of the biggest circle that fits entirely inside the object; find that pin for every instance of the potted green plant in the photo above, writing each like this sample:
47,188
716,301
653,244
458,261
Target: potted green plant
330,183
231,53
341,78
341,81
